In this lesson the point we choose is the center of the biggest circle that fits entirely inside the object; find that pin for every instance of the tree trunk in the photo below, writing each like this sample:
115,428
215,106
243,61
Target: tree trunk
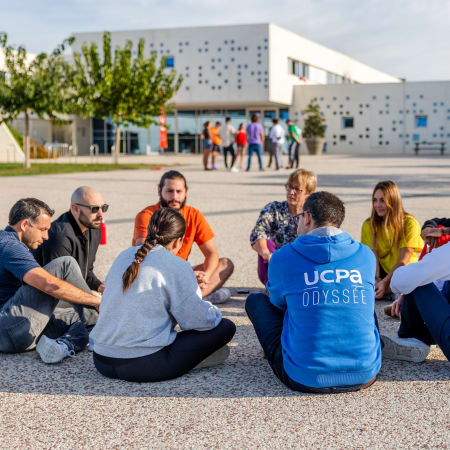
117,145
74,136
26,143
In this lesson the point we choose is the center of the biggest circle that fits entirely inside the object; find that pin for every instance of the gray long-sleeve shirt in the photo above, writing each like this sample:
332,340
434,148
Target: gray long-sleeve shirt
141,321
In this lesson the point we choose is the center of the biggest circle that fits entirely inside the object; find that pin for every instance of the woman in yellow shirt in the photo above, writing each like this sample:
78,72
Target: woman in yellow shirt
392,234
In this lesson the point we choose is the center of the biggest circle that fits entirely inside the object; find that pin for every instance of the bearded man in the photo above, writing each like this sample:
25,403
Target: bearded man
77,233
214,271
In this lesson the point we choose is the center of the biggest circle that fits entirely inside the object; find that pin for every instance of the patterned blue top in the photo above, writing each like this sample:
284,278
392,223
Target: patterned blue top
275,223
15,261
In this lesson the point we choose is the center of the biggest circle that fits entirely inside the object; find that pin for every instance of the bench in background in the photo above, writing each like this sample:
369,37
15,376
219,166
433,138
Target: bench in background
430,146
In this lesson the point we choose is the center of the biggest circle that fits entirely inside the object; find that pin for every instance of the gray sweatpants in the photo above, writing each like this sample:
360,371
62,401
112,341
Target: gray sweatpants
29,313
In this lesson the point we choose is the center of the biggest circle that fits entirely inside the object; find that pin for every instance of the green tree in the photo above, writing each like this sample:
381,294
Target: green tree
314,122
131,89
31,86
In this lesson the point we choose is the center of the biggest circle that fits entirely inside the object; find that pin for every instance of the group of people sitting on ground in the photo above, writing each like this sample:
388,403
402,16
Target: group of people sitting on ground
225,136
316,322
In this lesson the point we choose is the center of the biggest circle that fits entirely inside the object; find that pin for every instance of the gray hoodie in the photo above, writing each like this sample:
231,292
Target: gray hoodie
141,321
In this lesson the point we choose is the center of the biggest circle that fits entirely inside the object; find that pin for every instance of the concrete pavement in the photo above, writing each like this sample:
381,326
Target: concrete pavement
239,404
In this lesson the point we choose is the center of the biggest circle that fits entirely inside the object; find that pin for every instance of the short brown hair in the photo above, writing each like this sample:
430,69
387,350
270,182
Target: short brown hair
325,208
304,178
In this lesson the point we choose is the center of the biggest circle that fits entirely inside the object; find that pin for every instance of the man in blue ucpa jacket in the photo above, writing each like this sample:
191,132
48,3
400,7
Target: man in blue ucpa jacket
318,329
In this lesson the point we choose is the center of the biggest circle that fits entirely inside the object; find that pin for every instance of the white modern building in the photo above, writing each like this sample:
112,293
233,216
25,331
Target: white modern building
228,71
239,70
380,118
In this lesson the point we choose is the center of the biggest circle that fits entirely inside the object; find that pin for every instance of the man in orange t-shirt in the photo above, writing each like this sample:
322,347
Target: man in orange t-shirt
214,271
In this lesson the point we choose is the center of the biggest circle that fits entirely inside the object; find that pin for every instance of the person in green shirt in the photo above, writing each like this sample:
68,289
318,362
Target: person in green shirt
295,139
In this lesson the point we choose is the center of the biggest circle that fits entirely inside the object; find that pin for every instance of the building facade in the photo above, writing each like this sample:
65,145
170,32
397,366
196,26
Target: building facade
228,71
241,70
380,118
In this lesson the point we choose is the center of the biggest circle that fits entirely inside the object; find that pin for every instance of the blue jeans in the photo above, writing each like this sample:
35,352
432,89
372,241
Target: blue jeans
29,313
254,148
426,316
268,323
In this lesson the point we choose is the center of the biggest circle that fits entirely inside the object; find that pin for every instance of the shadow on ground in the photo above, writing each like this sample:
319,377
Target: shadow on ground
245,375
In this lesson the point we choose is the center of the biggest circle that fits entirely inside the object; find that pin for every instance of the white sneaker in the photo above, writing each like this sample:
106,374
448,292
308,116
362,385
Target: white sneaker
52,351
405,349
218,357
220,296
233,169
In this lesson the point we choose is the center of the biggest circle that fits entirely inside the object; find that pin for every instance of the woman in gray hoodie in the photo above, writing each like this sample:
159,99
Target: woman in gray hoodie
148,290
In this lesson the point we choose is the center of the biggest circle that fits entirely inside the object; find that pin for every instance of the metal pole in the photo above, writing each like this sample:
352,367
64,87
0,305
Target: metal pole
177,142
148,150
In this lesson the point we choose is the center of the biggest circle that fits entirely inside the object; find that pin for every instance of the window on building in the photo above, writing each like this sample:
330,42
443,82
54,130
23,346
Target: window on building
421,121
342,137
347,122
284,114
170,61
298,68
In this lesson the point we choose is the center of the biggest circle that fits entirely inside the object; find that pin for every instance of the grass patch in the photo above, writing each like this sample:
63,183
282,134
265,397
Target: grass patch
14,170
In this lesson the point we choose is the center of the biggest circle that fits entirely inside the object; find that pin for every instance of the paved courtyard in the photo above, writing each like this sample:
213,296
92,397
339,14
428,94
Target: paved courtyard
239,404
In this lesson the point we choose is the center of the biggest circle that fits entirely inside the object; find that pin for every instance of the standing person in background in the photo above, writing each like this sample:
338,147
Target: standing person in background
227,133
255,134
276,136
241,143
271,146
207,143
295,139
216,141
392,234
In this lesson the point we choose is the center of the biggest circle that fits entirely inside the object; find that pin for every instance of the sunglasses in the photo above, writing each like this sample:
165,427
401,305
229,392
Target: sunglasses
95,209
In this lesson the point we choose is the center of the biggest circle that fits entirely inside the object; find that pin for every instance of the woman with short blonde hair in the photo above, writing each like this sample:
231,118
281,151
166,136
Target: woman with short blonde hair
277,221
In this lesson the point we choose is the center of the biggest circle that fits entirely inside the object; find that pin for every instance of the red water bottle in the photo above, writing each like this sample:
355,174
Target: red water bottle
103,233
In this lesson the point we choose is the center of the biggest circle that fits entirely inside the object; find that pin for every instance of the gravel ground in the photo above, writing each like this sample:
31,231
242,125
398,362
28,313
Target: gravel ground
239,404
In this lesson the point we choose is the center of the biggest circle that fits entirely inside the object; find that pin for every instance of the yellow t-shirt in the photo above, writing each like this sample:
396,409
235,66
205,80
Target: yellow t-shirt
388,255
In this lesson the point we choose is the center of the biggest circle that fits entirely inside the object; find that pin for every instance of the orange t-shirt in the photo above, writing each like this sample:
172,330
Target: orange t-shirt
197,228
214,131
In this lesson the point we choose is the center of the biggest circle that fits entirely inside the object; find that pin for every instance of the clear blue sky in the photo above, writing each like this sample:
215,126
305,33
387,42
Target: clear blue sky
405,38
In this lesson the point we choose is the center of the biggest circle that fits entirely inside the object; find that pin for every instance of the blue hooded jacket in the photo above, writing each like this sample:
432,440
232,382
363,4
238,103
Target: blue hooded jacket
325,285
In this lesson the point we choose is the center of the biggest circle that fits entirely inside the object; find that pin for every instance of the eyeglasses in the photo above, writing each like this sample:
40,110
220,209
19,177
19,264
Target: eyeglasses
95,209
296,217
289,187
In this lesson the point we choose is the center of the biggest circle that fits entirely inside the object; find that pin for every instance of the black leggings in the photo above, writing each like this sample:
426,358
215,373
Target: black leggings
186,351
226,150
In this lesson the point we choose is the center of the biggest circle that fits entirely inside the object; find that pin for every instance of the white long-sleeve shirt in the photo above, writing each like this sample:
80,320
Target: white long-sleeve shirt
434,266
276,134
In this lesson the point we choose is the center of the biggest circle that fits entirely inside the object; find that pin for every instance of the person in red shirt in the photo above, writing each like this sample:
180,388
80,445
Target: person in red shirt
214,271
241,143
